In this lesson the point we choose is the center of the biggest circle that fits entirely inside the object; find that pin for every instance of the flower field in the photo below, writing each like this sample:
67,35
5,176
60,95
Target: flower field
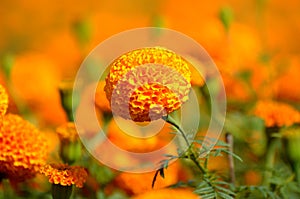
149,99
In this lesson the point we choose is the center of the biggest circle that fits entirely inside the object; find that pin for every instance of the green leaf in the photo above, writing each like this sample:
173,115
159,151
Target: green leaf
221,143
117,195
226,16
225,196
208,196
204,190
233,154
222,189
100,195
161,172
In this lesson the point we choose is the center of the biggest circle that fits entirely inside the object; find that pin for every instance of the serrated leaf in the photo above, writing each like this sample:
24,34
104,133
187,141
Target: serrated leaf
202,184
222,183
166,164
208,196
222,144
161,172
204,190
224,190
217,153
154,178
170,156
233,154
225,196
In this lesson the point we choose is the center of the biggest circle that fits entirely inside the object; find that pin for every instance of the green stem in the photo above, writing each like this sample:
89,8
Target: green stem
61,192
297,170
229,141
191,154
7,189
195,160
171,121
270,160
65,92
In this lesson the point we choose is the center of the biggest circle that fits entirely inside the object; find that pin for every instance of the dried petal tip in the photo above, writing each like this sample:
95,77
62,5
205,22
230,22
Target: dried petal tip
148,83
3,100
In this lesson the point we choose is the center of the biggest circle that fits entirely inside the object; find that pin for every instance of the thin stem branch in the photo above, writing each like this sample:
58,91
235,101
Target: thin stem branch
171,121
193,156
229,141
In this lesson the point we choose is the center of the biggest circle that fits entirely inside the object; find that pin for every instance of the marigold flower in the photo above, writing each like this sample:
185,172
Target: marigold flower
168,193
67,132
276,113
23,148
65,175
147,82
3,100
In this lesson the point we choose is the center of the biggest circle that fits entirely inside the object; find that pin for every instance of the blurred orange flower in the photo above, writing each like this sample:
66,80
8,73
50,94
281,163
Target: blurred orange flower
23,148
40,90
67,57
153,93
100,98
134,142
243,48
131,182
168,193
3,100
67,132
107,20
276,113
65,175
253,177
236,89
289,77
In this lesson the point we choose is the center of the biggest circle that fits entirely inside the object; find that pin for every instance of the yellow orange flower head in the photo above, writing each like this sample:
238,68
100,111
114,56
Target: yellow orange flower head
65,175
3,100
168,193
276,113
146,84
23,148
67,132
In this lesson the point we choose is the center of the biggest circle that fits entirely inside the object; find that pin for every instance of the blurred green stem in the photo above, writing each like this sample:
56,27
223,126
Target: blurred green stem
66,91
270,159
7,191
61,192
229,141
297,170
